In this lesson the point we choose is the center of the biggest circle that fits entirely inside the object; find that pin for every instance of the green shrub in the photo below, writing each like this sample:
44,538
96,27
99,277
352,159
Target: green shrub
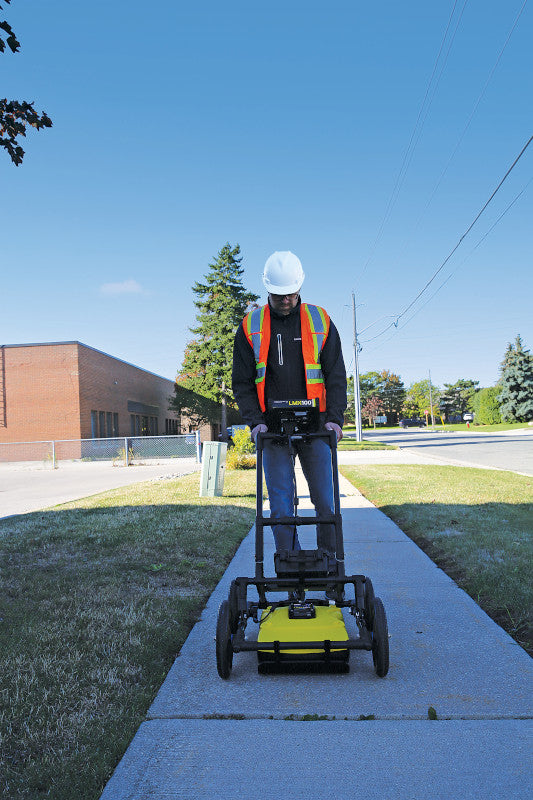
235,460
243,441
486,406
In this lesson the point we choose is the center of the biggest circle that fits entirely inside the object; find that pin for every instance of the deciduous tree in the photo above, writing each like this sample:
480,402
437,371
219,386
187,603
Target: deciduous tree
384,384
391,392
417,399
16,115
372,408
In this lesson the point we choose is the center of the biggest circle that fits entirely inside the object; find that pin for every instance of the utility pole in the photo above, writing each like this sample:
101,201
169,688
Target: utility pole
356,394
431,402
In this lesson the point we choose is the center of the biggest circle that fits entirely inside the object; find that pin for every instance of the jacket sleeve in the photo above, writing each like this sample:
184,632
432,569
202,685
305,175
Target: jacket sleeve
243,380
334,373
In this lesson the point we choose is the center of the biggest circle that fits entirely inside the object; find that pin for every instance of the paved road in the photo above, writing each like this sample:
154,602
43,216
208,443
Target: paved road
510,451
207,738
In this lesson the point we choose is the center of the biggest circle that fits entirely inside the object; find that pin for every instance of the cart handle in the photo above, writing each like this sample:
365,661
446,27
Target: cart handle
331,435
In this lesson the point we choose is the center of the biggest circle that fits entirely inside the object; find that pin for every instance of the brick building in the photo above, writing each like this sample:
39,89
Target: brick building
67,390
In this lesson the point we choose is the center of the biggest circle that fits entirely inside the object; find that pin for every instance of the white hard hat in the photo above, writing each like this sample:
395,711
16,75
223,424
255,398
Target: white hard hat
283,273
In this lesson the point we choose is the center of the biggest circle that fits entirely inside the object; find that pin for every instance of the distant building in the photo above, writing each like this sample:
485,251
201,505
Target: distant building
67,390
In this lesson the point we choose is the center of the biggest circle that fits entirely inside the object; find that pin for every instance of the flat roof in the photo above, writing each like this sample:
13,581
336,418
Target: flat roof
95,350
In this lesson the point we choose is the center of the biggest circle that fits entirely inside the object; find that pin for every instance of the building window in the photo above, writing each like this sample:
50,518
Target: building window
171,427
138,425
104,424
144,425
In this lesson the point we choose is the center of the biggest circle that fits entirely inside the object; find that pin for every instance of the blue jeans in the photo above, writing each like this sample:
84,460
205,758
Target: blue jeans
315,458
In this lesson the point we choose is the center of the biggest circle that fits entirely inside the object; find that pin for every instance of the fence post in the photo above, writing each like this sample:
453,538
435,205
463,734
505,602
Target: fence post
198,451
126,455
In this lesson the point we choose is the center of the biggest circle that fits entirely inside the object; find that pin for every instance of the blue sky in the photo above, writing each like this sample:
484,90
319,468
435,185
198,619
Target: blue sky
280,126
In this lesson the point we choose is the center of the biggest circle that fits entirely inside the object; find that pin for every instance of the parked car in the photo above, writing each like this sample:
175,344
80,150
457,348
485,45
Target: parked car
415,422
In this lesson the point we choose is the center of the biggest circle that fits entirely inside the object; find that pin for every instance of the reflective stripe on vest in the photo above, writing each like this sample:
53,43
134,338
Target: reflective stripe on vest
315,329
256,326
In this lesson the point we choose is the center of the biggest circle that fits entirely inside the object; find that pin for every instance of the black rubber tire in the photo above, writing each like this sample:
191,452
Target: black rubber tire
223,642
380,639
233,608
369,603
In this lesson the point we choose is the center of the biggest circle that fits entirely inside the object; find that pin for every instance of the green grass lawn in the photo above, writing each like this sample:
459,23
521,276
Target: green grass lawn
476,524
351,444
348,428
501,426
461,427
96,600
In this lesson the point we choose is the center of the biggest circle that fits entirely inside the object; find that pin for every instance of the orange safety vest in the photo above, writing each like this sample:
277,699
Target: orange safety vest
315,329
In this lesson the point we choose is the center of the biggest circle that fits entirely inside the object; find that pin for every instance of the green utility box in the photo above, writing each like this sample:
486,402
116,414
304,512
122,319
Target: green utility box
213,465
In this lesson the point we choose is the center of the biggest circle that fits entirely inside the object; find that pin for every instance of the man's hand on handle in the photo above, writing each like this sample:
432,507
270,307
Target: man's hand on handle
258,429
332,426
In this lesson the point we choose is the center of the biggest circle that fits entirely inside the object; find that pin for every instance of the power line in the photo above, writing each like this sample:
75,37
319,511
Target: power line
502,215
407,158
468,122
441,267
511,204
515,162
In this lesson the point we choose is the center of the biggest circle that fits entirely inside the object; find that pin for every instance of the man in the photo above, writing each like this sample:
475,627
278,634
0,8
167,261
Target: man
289,350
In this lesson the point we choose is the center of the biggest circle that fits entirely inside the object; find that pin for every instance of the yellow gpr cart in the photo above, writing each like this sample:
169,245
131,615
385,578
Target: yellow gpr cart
304,630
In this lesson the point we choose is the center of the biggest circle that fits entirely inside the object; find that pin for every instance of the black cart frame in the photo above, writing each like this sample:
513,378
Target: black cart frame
300,572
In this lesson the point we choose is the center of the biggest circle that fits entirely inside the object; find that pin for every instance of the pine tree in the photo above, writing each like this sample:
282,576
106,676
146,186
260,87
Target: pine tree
206,370
516,395
457,397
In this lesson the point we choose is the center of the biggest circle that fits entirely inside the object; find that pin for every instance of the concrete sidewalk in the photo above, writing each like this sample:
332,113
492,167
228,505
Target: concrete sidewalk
208,738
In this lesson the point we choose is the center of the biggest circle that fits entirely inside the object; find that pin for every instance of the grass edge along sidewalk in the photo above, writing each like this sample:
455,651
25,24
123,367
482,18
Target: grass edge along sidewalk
475,524
97,597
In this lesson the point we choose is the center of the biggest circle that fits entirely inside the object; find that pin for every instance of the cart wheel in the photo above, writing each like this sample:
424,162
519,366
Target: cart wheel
369,603
380,639
223,642
233,607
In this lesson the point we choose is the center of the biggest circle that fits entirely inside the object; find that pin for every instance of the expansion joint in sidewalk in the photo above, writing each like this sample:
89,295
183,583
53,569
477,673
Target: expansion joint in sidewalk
333,718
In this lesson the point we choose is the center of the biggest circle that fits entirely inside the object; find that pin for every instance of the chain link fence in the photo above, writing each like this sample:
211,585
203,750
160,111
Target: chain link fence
122,450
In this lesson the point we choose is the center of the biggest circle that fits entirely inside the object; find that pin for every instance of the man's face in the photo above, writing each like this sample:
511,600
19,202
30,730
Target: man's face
284,303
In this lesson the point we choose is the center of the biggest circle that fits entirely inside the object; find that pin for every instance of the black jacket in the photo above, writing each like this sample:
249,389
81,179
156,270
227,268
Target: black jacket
285,373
